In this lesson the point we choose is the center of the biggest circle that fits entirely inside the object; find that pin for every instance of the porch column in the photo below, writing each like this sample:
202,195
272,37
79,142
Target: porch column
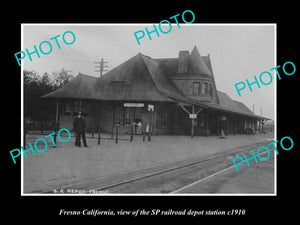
193,112
234,125
56,112
193,122
260,126
57,116
227,125
207,121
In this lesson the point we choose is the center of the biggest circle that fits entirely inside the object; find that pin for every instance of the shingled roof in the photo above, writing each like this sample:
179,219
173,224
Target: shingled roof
229,105
142,78
138,79
129,81
197,64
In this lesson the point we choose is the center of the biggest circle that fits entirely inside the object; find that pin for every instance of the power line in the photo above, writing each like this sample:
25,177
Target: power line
101,66
67,60
68,71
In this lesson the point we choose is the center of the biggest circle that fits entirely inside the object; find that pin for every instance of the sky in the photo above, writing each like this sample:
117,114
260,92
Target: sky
237,52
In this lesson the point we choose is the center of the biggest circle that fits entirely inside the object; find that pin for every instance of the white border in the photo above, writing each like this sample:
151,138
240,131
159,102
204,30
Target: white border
22,114
138,24
275,107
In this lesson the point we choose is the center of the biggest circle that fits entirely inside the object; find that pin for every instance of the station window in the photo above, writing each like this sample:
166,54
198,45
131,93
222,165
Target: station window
77,103
77,106
126,116
201,120
117,117
176,120
196,88
210,89
165,119
205,88
67,109
80,106
85,110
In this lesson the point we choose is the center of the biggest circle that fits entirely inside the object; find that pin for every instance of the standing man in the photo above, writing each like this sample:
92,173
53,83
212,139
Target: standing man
223,124
79,126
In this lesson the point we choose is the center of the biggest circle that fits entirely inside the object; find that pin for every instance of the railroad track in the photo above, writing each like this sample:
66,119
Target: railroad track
167,177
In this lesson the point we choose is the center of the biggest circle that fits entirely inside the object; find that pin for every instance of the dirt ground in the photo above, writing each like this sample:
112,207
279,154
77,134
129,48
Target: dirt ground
256,179
65,164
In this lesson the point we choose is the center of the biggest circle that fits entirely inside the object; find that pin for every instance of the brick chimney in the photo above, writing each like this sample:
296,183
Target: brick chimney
183,61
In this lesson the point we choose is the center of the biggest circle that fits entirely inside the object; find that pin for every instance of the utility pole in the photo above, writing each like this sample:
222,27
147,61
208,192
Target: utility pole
66,71
101,66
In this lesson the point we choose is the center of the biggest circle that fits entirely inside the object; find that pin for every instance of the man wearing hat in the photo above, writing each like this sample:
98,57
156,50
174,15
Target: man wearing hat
79,126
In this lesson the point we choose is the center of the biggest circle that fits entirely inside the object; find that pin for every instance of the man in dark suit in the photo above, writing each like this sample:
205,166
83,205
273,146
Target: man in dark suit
79,126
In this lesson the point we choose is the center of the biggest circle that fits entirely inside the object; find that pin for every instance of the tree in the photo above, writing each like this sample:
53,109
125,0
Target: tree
35,86
45,78
30,77
32,93
61,78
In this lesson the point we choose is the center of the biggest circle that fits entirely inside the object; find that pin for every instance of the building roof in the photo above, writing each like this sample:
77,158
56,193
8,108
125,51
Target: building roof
138,79
121,83
197,64
229,105
142,78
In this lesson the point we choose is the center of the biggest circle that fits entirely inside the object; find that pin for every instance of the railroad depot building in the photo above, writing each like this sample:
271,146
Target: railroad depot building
175,96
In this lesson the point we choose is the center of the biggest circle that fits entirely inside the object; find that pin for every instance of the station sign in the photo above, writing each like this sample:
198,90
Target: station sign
138,105
193,116
150,108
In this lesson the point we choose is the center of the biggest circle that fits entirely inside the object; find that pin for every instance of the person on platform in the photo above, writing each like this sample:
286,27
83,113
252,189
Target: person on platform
79,126
139,127
222,126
